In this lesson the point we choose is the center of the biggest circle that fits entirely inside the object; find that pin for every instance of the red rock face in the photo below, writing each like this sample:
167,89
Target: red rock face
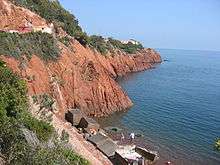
80,77
12,17
83,79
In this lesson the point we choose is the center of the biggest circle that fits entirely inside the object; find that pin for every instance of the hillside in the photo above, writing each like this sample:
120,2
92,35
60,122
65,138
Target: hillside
79,76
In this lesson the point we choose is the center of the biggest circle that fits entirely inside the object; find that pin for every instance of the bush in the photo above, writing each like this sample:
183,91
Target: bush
42,129
41,44
52,11
65,40
98,42
13,98
14,117
129,48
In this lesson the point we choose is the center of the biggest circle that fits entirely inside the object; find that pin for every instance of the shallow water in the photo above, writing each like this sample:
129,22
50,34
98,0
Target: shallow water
176,107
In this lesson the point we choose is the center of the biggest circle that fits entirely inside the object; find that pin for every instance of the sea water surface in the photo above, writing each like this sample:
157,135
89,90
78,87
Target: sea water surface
176,107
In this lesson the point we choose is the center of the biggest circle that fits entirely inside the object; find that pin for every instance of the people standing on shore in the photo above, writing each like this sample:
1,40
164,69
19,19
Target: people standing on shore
132,136
122,137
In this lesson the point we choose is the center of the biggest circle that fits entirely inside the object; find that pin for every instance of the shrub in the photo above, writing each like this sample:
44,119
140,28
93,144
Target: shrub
98,42
42,129
13,98
65,40
41,44
64,136
52,11
129,48
14,116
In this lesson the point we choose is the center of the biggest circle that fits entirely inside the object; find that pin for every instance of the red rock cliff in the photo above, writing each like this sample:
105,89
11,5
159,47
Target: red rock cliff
80,77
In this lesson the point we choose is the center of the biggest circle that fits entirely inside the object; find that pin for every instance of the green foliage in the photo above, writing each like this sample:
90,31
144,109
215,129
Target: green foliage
217,145
14,117
14,104
98,42
129,48
64,136
42,129
65,40
45,101
41,44
52,11
104,46
13,98
57,156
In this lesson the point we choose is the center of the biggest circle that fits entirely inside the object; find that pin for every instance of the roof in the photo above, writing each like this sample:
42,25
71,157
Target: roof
108,147
90,120
150,155
75,111
97,139
104,144
128,152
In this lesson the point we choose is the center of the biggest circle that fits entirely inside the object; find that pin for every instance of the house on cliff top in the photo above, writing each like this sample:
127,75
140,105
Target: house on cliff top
130,41
29,27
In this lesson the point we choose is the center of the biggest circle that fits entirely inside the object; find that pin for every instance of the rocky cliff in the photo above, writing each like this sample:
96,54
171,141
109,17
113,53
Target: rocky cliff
81,77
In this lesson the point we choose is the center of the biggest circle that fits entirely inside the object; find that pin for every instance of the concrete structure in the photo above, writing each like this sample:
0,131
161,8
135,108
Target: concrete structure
132,155
74,116
148,155
127,155
89,125
104,144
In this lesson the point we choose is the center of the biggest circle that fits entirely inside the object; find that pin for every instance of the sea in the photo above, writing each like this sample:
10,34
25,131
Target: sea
176,107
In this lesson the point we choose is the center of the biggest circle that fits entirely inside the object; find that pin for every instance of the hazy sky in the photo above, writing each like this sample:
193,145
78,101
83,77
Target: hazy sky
182,24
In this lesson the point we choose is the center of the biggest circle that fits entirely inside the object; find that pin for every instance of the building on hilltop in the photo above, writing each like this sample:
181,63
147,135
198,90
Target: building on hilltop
29,27
130,41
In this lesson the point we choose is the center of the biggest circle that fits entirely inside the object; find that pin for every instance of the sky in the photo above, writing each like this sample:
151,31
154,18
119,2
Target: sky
175,24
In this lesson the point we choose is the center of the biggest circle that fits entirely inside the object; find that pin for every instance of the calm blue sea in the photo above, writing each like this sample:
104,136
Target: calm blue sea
176,106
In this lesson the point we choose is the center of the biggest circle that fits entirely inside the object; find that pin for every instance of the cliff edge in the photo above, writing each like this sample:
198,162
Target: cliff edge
81,77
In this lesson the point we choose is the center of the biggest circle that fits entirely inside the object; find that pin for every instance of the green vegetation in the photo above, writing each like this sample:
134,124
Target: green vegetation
44,100
109,45
65,40
129,48
14,118
52,11
41,44
99,43
217,145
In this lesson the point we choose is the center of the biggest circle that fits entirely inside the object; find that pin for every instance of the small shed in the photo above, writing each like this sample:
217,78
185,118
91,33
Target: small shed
98,139
104,144
148,155
89,125
108,147
74,116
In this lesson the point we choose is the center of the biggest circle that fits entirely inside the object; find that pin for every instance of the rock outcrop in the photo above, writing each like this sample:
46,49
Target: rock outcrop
81,77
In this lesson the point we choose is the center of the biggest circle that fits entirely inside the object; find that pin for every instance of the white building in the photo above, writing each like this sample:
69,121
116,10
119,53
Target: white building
131,41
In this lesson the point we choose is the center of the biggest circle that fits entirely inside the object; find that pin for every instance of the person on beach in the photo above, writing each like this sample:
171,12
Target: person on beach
122,137
132,136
